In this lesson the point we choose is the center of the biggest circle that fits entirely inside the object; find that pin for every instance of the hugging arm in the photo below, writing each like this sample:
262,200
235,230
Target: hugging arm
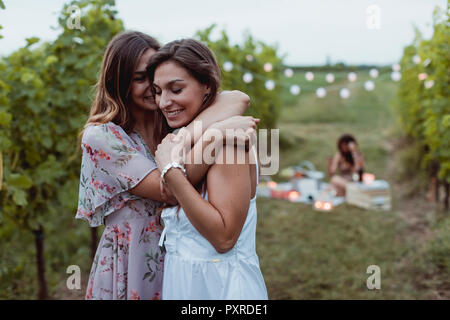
221,219
226,105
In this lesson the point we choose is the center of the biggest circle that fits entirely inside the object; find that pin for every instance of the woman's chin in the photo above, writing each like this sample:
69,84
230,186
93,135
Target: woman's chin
175,124
148,104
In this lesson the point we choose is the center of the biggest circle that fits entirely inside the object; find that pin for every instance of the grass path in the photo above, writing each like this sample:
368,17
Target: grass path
310,255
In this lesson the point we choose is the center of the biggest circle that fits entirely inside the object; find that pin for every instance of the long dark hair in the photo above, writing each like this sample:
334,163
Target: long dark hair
114,83
346,139
199,62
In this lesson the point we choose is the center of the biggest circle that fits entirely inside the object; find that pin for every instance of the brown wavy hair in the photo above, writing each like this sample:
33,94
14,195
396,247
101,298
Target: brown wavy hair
346,139
114,83
199,61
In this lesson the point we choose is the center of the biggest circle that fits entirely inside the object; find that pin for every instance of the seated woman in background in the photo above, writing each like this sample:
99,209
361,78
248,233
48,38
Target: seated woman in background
345,163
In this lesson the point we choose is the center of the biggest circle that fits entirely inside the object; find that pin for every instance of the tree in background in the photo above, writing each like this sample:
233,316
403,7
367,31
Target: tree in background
424,99
50,86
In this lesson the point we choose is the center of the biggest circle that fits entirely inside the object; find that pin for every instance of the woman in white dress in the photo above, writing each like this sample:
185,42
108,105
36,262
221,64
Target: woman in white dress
210,240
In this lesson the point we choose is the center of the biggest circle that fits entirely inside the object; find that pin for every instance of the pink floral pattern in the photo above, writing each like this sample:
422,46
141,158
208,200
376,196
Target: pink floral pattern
128,263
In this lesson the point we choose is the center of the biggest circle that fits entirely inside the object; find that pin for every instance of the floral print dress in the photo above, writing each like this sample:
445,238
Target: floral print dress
128,263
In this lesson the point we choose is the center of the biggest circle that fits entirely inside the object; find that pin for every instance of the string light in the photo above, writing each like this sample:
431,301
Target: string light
270,84
396,76
352,77
247,77
396,67
228,66
416,59
268,67
321,92
329,77
288,73
373,73
294,89
369,85
422,76
428,84
344,93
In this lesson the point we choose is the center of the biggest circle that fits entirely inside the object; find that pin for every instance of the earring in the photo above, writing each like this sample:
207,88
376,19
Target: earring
205,98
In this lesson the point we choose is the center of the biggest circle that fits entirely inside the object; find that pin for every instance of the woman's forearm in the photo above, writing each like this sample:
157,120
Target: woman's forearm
196,165
357,158
204,217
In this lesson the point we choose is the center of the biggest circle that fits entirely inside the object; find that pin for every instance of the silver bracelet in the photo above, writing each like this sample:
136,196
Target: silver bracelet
172,165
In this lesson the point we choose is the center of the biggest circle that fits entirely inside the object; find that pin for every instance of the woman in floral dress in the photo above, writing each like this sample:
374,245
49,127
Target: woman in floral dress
119,180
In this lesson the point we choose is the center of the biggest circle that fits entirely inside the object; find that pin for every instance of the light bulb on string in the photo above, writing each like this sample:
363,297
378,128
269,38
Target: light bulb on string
428,84
396,76
288,73
228,66
309,76
247,77
329,77
294,89
321,92
369,85
352,77
344,93
396,67
373,73
249,58
422,76
268,67
416,59
270,84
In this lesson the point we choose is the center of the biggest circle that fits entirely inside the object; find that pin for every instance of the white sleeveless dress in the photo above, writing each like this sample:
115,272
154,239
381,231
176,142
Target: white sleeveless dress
193,269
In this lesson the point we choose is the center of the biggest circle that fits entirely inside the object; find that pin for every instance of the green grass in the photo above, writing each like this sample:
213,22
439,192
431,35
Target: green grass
306,254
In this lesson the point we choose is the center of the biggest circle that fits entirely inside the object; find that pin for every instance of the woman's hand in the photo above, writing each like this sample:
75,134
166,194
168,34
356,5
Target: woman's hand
170,150
352,146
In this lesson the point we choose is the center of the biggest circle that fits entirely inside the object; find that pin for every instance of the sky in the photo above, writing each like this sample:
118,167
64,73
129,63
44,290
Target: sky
305,32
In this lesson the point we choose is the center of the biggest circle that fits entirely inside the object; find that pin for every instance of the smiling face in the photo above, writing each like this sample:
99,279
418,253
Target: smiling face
141,94
178,94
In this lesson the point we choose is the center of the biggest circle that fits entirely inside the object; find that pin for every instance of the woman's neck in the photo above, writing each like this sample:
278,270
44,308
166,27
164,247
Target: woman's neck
143,122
